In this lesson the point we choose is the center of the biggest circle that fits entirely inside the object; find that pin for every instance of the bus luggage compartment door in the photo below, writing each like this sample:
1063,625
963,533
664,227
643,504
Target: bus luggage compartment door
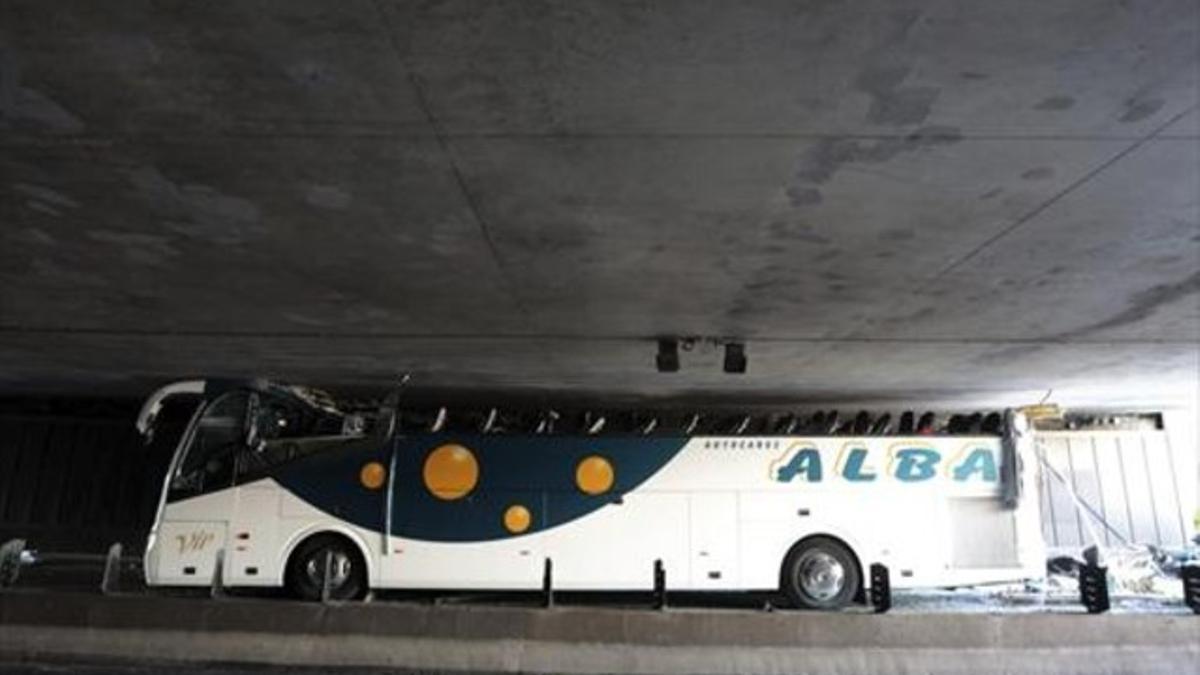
254,545
713,518
983,534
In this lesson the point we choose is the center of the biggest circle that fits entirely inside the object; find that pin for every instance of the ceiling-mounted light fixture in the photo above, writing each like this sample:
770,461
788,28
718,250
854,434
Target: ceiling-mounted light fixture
735,357
668,355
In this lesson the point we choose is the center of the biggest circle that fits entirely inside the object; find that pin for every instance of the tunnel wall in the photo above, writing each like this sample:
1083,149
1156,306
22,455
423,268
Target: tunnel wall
77,477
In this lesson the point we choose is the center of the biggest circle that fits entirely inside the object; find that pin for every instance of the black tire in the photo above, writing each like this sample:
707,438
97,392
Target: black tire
305,569
821,558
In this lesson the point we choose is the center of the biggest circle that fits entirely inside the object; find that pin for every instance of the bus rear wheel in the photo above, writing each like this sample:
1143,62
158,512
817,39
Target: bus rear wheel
821,573
306,571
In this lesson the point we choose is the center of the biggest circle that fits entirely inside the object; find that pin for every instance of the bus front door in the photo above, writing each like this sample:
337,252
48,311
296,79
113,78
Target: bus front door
199,499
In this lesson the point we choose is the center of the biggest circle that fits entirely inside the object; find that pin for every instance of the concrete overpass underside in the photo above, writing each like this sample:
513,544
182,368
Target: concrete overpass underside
917,200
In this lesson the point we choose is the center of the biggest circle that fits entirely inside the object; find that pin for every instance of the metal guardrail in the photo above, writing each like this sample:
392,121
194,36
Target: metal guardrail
14,555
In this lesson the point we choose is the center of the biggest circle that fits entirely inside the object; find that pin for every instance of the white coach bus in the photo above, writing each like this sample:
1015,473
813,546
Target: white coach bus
281,482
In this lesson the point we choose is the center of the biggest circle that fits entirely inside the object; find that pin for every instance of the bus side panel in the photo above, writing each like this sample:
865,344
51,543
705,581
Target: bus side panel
770,523
617,546
901,533
515,562
511,564
299,520
613,548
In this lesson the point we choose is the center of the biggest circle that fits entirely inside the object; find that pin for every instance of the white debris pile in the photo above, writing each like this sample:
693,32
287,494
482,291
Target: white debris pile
1059,585
1133,571
1142,570
1141,579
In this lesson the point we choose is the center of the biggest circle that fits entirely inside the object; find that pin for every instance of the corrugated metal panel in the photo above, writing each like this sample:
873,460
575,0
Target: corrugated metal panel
77,483
1129,479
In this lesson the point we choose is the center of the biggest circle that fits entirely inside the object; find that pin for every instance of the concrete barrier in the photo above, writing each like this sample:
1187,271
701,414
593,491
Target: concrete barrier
38,626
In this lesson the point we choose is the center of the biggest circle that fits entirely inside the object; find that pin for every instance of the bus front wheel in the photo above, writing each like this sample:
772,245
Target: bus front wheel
821,573
327,556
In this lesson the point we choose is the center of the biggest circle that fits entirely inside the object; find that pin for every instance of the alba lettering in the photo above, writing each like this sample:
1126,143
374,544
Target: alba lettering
906,465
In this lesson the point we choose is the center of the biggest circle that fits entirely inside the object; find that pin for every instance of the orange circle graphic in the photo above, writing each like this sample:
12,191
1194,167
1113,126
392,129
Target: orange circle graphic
594,475
517,519
372,475
451,472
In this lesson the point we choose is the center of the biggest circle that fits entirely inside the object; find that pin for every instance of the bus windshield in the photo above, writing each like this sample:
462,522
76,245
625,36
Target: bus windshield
220,434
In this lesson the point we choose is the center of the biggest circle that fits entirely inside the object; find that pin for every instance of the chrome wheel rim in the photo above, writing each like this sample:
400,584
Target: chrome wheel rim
821,576
339,569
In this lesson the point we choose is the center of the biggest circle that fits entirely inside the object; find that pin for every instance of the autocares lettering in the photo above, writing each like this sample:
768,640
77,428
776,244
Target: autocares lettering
911,464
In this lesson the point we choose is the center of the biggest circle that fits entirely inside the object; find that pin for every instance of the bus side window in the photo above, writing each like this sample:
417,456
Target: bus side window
209,461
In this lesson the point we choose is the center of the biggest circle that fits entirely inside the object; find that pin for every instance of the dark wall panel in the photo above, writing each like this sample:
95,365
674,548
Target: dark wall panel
76,476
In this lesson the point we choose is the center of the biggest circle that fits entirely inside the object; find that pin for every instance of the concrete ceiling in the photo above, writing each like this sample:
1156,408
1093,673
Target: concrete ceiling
885,200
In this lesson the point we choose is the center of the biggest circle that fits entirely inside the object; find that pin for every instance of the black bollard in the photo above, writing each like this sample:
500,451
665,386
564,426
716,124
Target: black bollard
548,584
881,588
660,585
1191,586
1093,588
